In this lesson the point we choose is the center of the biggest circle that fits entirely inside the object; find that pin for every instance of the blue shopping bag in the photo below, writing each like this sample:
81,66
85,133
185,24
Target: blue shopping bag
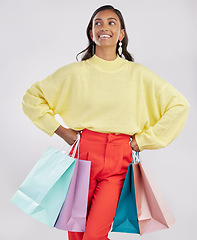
44,190
126,219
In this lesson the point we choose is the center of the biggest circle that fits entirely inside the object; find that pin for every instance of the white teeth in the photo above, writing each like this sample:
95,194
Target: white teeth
105,36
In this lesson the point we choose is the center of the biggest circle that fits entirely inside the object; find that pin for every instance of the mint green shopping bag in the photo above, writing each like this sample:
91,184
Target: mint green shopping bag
44,190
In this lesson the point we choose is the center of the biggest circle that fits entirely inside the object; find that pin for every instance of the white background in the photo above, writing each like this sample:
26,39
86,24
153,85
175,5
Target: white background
38,37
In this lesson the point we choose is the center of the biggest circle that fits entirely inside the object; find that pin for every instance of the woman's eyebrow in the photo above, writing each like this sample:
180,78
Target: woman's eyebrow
108,19
112,18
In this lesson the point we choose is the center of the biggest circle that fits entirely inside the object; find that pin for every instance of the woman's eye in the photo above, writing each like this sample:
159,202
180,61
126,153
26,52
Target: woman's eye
111,23
97,23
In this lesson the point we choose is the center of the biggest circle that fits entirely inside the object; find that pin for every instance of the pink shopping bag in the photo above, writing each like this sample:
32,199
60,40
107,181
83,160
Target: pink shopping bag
72,216
153,213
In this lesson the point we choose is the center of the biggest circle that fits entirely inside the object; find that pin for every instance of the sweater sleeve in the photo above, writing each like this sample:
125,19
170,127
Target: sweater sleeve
173,108
39,103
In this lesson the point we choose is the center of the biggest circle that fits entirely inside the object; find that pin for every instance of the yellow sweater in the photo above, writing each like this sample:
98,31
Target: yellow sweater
109,96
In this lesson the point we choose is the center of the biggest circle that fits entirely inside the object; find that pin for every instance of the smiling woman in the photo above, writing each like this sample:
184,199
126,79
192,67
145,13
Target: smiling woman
106,32
108,99
106,18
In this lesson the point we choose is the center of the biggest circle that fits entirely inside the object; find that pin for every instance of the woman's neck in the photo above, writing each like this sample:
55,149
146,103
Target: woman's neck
106,53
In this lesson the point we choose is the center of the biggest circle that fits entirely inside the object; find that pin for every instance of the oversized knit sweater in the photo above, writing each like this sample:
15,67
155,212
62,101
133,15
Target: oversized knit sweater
119,96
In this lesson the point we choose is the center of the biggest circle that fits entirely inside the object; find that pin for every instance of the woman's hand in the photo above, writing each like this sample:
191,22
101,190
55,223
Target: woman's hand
134,145
69,135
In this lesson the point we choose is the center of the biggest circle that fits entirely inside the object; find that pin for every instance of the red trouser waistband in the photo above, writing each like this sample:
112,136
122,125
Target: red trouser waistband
105,137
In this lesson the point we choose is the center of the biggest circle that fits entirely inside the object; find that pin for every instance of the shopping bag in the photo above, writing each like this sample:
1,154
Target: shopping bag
72,216
153,212
126,219
44,190
149,208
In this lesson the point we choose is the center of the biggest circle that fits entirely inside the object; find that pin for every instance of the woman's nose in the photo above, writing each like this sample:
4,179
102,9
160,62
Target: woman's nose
104,27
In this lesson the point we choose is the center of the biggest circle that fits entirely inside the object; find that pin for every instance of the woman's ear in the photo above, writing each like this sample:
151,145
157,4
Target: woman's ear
122,35
91,34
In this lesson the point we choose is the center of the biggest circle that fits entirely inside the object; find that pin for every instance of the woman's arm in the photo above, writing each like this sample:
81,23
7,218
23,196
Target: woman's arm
39,104
69,135
134,144
174,109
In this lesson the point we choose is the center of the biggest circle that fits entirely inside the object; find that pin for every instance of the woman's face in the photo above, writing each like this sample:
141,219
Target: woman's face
106,29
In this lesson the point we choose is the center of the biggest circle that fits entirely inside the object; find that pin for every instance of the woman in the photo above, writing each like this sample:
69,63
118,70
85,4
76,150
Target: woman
107,99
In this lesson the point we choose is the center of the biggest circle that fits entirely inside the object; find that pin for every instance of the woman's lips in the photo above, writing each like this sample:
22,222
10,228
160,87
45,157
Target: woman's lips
104,36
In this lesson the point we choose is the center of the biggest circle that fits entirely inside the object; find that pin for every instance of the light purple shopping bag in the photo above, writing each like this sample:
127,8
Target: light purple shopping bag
73,213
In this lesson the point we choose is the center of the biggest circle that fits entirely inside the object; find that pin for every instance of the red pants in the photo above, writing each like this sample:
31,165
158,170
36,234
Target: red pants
110,156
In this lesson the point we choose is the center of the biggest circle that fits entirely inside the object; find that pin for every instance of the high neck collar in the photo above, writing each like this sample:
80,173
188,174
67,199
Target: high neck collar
105,65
